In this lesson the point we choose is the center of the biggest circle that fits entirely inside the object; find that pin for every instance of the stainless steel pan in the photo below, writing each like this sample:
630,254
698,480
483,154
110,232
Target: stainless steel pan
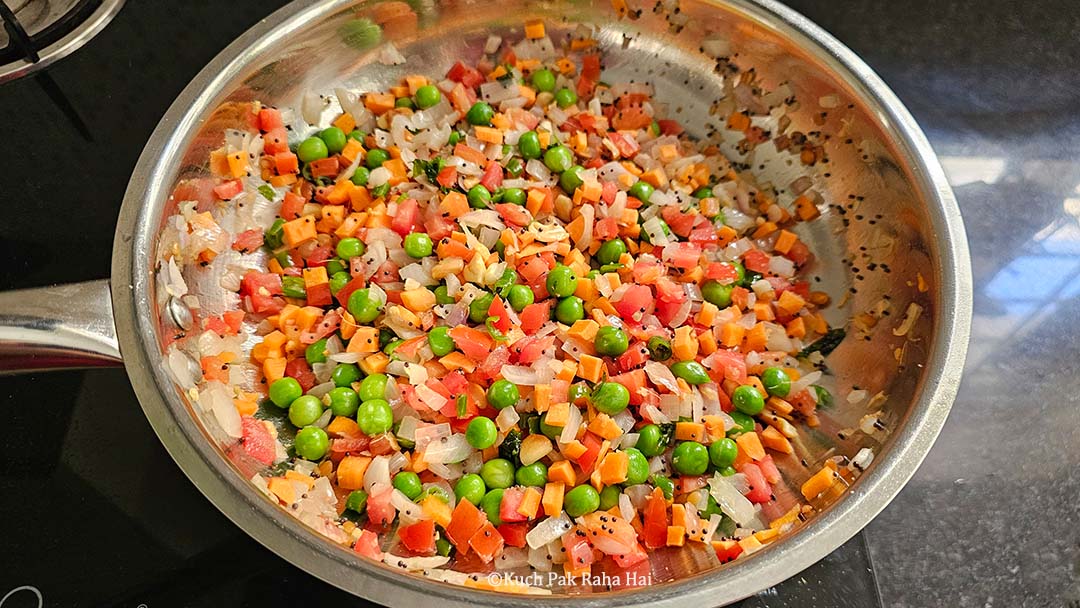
890,232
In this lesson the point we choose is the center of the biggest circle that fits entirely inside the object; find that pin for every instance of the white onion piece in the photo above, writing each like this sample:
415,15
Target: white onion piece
661,375
804,381
731,502
378,472
448,449
520,375
507,418
431,433
548,530
573,424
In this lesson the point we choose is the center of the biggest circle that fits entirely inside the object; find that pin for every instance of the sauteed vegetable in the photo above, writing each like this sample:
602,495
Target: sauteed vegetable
511,315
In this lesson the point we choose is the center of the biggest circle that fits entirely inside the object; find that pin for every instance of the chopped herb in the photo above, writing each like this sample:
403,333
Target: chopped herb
667,433
825,344
510,448
267,192
428,168
659,348
381,191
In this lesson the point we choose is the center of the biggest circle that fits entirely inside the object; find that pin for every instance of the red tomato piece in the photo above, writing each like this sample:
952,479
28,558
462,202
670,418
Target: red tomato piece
419,537
626,145
634,357
511,500
300,370
638,299
722,272
731,364
530,348
756,260
682,255
270,118
487,542
769,470
679,222
347,290
494,362
248,241
260,288
608,192
292,206
760,491
654,530
636,556
592,444
408,214
276,141
669,127
497,310
727,550
379,508
799,253
514,534
578,551
606,229
257,440
513,214
535,315
368,545
229,189
493,176
447,177
319,256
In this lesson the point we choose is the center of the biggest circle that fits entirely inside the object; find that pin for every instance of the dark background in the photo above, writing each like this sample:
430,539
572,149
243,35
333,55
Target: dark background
94,513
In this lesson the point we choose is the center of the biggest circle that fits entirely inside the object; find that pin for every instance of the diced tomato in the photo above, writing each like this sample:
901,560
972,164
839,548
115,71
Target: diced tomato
200,190
729,365
532,269
679,222
669,290
408,214
214,368
261,287
689,483
578,552
319,295
799,253
248,241
769,470
514,214
740,297
292,206
590,73
493,364
592,445
530,348
270,118
218,326
439,227
631,118
455,382
511,500
634,357
347,289
638,299
233,318
803,402
379,508
608,192
387,273
666,312
669,127
727,550
466,75
324,167
474,343
756,260
535,315
276,141
368,545
229,189
633,557
634,381
419,537
486,542
513,534
497,310
721,272
606,229
703,234
286,163
493,176
760,491
609,534
523,117
647,273
257,440
626,145
654,530
340,447
447,176
319,256
682,255
300,370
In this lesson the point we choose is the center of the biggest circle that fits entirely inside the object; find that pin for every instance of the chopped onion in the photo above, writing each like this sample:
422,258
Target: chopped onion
415,564
431,433
448,449
548,530
378,472
804,381
520,375
507,418
573,423
661,375
731,502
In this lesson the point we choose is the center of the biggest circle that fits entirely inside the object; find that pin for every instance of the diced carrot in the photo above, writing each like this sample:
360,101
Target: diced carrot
553,498
756,338
365,340
590,368
542,397
534,29
283,489
738,121
805,208
772,439
470,154
379,103
437,509
685,344
352,150
274,369
790,302
486,542
489,135
750,444
584,329
765,230
350,472
785,241
707,315
456,360
731,335
821,481
342,426
374,364
465,521
346,123
454,205
613,468
238,164
563,472
707,342
298,231
676,536
398,172
690,431
530,503
604,426
796,328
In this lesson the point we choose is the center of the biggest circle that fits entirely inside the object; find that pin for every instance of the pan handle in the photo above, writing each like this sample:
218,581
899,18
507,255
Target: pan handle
57,327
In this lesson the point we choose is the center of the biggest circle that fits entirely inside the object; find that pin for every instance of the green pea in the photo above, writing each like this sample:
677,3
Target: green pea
723,452
570,310
293,287
649,441
404,102
659,348
284,391
666,485
717,293
479,197
519,297
534,474
691,371
345,374
611,251
502,394
776,381
514,167
703,192
561,281
343,401
427,96
455,137
491,503
743,424
418,245
442,295
543,80
339,280
748,400
663,228
550,431
316,352
363,307
335,265
571,179
727,471
654,128
641,190
480,114
497,473
611,398
529,145
581,500
740,273
577,392
481,433
471,488
358,135
637,467
376,157
357,501
373,387
611,341
558,158
565,98
311,443
360,176
409,484
440,341
690,458
375,417
609,497
516,196
478,308
312,149
334,138
350,247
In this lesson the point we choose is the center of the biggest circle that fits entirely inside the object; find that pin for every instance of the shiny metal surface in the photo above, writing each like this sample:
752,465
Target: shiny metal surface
881,170
67,45
60,327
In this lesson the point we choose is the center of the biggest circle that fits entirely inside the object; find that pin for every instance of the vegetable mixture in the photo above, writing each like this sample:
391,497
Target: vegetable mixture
513,316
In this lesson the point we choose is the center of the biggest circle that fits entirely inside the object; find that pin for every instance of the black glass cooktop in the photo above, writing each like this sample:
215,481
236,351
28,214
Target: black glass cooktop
93,510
